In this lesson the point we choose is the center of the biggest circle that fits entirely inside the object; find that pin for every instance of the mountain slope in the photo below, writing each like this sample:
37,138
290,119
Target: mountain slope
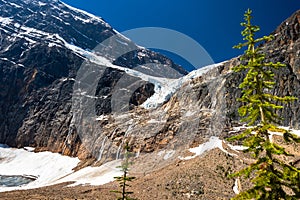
48,55
43,44
204,105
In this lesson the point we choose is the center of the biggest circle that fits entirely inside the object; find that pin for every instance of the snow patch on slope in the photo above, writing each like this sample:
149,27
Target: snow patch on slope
41,4
5,20
51,168
271,134
32,35
236,186
293,131
213,143
48,167
92,17
95,175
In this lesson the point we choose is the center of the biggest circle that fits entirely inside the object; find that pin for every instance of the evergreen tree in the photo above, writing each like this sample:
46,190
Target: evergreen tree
124,178
274,178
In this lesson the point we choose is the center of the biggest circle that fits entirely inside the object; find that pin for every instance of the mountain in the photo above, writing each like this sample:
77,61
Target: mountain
43,45
63,92
202,104
72,84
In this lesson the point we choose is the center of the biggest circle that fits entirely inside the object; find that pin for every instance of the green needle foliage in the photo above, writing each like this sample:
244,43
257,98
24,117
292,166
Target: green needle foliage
273,177
124,179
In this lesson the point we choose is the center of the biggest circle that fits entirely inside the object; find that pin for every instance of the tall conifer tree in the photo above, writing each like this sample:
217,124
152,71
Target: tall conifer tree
273,177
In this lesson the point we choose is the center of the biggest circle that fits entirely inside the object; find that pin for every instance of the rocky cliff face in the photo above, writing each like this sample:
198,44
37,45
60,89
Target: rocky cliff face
46,61
43,44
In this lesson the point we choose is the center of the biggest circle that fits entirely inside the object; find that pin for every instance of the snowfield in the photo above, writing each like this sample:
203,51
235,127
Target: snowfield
51,168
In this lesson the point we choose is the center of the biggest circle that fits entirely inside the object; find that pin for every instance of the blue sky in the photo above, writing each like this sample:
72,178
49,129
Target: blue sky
214,24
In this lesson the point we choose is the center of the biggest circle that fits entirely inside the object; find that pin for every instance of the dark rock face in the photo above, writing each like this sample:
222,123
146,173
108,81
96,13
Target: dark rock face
38,65
285,48
141,95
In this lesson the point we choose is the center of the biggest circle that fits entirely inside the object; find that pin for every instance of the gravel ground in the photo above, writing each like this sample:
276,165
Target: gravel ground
200,178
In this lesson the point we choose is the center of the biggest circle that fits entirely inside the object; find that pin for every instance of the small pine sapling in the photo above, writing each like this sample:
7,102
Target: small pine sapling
125,178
